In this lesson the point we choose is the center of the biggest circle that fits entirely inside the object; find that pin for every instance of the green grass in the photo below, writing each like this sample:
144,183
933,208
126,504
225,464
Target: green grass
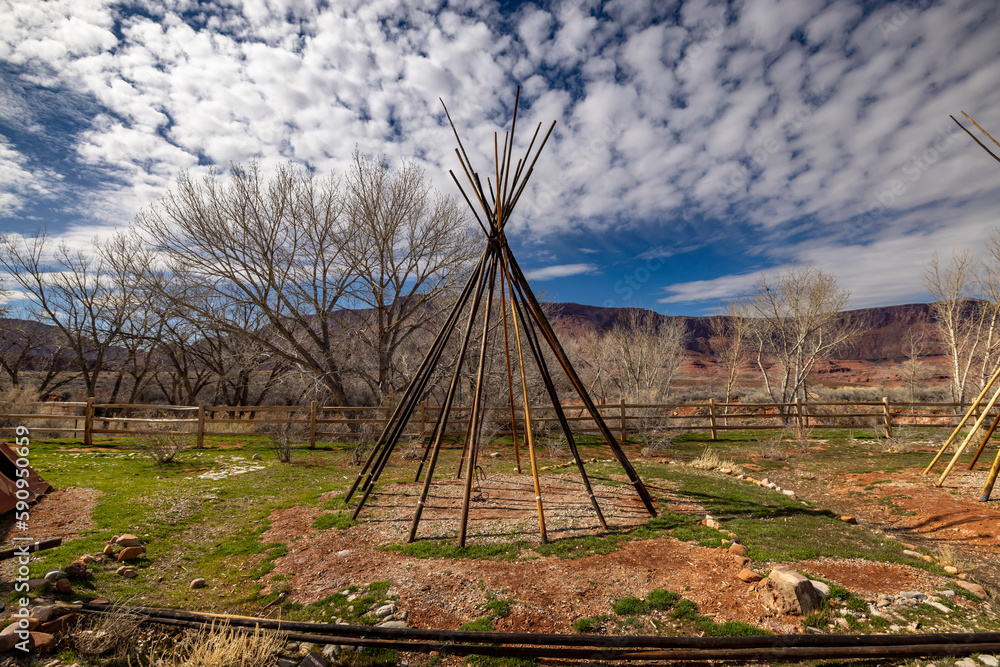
629,606
590,625
662,600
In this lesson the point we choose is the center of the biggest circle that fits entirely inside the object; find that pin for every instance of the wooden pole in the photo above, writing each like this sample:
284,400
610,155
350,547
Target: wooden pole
201,424
982,445
711,416
527,423
887,416
312,424
423,418
991,479
510,378
88,423
965,442
799,425
441,425
472,433
536,351
968,414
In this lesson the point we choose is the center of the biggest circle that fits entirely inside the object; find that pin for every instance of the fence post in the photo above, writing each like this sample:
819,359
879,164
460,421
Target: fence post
798,418
711,415
88,423
201,424
312,425
621,407
887,415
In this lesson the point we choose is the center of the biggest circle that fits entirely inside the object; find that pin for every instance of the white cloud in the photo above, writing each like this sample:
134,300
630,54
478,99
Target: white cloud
778,123
560,271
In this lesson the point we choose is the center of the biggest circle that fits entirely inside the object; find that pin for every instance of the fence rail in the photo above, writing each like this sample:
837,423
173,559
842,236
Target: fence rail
330,423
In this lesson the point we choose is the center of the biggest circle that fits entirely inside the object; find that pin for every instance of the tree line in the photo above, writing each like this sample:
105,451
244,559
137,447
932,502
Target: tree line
246,290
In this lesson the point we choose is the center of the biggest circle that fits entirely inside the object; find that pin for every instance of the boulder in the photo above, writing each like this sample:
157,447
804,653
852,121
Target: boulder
63,586
127,540
129,553
788,592
749,576
7,642
975,589
821,588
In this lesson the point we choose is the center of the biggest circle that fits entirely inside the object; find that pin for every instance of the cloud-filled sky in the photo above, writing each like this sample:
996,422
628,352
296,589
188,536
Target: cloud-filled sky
697,143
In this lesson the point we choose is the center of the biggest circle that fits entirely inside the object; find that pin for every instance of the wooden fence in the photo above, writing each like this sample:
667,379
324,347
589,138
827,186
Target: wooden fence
314,422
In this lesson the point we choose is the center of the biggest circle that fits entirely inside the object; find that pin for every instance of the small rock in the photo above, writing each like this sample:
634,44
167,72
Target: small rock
344,552
975,589
314,659
494,455
393,624
989,660
129,553
197,583
749,576
255,457
711,523
55,575
951,569
962,575
77,569
109,550
305,648
772,486
331,651
742,561
59,625
911,552
127,571
738,550
765,481
725,471
287,662
790,494
895,628
87,558
821,588
42,613
841,621
385,610
966,662
64,587
929,559
848,519
127,540
788,592
42,642
938,606
946,594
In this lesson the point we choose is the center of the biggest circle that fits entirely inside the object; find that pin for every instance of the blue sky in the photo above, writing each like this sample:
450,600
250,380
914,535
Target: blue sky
697,143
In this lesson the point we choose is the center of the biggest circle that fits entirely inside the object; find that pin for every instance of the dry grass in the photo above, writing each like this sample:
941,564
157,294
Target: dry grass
710,460
224,646
112,634
163,448
948,555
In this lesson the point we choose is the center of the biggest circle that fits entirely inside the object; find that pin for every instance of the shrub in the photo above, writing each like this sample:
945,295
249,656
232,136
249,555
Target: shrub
590,625
163,448
629,607
662,599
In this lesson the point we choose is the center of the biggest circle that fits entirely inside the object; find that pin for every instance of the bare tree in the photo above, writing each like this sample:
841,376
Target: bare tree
80,294
410,248
967,324
649,353
273,250
730,333
797,320
914,371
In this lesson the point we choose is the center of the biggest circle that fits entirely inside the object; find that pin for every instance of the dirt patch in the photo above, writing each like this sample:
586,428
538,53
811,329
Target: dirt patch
548,593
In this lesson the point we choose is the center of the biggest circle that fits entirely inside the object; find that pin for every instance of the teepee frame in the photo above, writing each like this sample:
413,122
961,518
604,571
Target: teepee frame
976,404
496,275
